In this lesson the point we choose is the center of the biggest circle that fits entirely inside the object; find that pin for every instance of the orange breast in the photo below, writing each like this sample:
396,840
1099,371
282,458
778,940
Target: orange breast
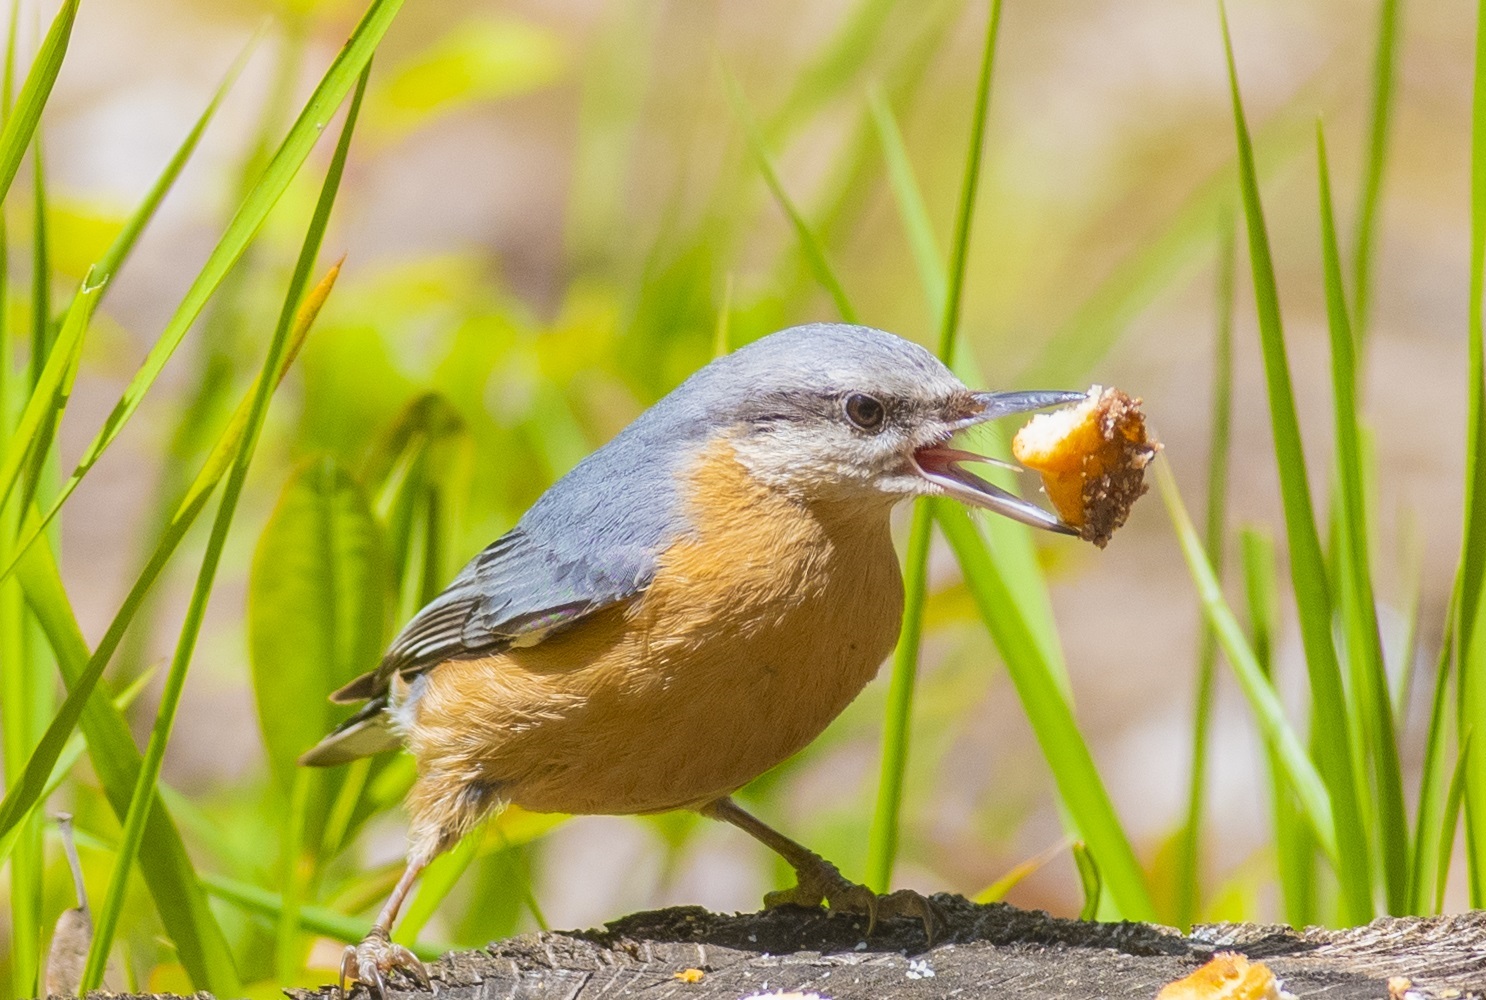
754,634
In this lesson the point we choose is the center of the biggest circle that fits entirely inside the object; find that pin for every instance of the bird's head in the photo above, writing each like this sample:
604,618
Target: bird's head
851,414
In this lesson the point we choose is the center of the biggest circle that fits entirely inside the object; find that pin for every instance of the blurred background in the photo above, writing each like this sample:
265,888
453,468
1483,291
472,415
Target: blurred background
550,216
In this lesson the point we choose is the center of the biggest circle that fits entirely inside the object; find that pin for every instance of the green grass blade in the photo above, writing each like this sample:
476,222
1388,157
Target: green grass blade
7,86
50,392
233,314
1051,716
1365,236
1270,714
29,447
288,957
1472,642
1015,553
882,843
41,264
18,673
166,867
1451,810
43,331
28,691
1404,645
1188,859
1261,595
349,62
342,814
104,271
815,253
21,121
1430,814
298,313
910,200
1089,879
1295,848
1307,566
722,333
1359,610
949,326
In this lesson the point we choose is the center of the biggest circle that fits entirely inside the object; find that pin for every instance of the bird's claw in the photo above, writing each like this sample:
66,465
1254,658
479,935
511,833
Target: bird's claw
376,955
822,883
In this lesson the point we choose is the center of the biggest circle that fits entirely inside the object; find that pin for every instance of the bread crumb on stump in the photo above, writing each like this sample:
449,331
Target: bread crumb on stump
1228,976
1092,458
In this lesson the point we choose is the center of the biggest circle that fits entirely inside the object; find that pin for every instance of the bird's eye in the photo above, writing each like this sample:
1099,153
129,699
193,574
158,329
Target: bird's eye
864,411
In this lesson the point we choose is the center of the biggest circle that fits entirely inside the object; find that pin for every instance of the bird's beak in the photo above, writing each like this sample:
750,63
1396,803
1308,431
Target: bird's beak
940,464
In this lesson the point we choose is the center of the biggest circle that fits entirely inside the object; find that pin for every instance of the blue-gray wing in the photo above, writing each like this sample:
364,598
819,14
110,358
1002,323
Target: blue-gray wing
515,592
588,543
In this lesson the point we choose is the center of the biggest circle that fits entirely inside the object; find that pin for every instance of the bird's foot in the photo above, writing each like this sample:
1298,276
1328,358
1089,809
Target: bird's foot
821,882
371,960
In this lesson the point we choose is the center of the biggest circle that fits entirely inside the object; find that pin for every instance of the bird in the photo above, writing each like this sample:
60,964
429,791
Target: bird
689,606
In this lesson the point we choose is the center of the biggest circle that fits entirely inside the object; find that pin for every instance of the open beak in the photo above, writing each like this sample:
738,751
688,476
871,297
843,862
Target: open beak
940,464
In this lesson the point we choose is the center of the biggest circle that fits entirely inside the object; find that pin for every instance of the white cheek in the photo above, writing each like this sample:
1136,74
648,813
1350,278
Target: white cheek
785,454
824,459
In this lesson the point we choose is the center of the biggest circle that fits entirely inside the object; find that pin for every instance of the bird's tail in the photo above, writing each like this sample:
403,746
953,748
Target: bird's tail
364,734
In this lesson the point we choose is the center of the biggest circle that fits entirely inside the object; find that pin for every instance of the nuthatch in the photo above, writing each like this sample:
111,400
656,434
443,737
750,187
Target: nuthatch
685,609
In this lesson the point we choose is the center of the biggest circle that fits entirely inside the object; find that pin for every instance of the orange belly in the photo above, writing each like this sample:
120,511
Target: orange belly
754,634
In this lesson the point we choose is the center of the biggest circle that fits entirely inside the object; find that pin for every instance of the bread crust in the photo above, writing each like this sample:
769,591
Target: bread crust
1092,458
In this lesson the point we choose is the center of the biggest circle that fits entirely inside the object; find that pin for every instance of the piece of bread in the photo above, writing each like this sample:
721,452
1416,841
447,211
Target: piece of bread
1228,976
1092,457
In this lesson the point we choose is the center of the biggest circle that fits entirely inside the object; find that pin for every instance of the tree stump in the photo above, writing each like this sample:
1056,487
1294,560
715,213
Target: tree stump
995,951
986,951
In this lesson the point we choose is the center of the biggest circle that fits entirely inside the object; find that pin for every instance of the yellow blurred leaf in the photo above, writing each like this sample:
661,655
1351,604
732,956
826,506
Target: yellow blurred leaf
482,60
997,890
80,231
169,977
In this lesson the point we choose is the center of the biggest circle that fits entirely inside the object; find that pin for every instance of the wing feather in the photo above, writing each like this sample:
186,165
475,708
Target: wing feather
515,592
588,543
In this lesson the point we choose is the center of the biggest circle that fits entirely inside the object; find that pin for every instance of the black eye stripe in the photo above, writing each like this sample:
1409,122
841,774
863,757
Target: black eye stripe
864,411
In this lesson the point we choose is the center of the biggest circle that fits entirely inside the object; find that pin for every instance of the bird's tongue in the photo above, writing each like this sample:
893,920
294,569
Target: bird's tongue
940,465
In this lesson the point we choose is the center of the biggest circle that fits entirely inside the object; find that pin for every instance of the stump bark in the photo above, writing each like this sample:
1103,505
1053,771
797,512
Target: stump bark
986,951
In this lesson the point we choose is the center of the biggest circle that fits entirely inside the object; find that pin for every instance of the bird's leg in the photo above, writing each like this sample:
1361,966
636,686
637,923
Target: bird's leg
377,954
819,881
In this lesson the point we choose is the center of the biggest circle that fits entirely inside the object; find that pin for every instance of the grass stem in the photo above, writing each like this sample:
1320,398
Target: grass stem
882,846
